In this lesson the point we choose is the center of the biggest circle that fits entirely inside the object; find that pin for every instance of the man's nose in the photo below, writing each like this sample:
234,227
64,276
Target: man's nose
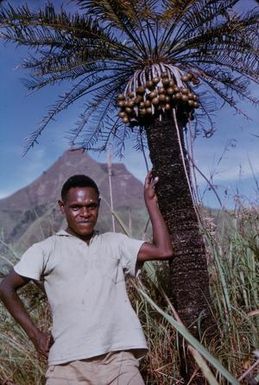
84,212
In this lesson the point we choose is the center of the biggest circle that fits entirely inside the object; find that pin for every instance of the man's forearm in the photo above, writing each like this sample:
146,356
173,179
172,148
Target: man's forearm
8,294
16,308
161,237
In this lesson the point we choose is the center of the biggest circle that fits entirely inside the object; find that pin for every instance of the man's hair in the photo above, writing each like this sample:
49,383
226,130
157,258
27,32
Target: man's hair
78,181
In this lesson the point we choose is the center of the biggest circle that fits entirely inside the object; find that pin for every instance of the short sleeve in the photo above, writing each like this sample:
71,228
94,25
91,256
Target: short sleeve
129,249
31,264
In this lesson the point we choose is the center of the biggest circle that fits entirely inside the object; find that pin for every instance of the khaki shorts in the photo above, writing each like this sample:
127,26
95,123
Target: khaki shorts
115,368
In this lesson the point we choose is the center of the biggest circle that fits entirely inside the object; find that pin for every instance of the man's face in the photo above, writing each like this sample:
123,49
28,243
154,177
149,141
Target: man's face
81,208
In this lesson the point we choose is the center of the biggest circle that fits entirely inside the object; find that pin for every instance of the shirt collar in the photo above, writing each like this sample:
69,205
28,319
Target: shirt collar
64,233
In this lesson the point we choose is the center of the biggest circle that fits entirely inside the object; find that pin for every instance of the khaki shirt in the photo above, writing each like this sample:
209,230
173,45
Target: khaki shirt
86,290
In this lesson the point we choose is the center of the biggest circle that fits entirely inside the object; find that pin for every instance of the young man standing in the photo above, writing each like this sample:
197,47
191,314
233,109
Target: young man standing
96,337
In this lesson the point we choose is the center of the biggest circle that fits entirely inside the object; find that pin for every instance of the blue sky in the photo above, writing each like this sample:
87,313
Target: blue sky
230,157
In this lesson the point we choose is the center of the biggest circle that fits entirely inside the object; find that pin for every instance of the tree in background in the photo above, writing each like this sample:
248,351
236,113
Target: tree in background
146,69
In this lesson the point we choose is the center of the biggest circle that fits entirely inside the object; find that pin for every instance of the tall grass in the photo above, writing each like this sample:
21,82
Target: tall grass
234,286
19,362
233,251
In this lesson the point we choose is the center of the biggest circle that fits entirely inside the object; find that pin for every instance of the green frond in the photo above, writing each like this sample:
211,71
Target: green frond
95,126
173,10
111,47
120,15
48,28
109,10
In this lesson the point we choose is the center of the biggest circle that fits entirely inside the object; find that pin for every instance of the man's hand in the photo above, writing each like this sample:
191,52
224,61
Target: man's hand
42,342
149,188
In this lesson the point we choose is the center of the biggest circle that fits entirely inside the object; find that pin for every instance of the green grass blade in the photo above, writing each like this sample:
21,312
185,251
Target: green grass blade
193,341
203,366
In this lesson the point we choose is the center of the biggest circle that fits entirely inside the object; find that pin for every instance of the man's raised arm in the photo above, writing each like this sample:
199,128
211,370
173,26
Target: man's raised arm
161,247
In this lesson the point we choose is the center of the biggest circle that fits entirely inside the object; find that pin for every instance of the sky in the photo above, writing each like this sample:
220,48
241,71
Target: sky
230,158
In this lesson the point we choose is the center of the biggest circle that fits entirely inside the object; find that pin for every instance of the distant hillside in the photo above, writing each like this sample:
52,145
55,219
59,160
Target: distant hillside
31,213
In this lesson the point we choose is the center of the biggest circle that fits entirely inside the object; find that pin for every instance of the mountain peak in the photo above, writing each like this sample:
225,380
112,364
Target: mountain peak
22,208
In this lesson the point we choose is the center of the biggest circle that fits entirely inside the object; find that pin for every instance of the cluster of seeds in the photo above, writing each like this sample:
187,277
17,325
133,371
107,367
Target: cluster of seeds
156,96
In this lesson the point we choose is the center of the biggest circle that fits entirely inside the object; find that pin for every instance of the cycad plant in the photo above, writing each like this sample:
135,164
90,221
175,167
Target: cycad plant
146,69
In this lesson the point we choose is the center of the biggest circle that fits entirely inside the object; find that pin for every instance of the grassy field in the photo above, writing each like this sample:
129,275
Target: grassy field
232,240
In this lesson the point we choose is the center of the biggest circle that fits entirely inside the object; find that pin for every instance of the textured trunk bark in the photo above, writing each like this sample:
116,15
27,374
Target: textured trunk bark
189,281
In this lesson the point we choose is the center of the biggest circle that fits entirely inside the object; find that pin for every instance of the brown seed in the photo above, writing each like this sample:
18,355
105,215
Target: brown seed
122,114
167,98
164,75
149,110
121,97
152,94
170,91
185,78
171,83
184,98
161,97
155,101
168,106
142,104
150,84
147,103
142,111
121,103
128,110
191,103
131,95
165,82
125,119
155,80
137,99
140,90
196,105
178,95
185,91
161,90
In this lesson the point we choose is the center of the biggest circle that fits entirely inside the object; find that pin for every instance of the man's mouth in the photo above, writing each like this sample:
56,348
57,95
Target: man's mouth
85,222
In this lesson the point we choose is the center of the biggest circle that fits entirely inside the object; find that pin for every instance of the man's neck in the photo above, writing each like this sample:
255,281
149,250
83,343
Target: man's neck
86,238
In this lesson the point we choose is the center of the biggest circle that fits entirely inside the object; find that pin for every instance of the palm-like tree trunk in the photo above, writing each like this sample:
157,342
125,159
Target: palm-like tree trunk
189,281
